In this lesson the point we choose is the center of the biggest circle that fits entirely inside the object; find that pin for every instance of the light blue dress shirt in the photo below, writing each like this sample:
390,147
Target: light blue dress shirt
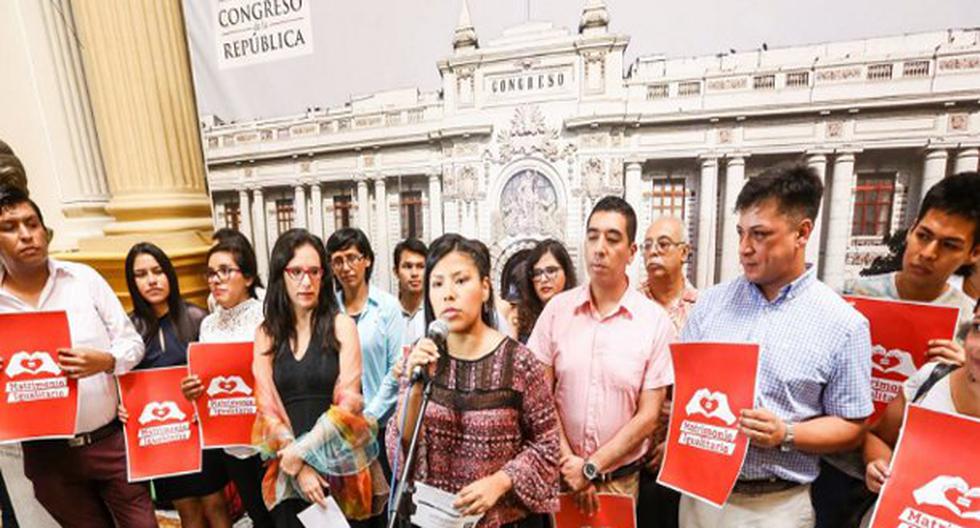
814,358
380,327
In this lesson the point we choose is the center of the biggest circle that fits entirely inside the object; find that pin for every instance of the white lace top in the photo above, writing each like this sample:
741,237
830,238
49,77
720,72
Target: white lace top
229,325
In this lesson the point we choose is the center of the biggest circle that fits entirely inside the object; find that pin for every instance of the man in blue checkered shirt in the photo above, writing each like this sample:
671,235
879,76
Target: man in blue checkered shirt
814,387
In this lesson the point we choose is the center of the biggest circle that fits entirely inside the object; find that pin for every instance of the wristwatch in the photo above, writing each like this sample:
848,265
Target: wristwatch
787,444
590,471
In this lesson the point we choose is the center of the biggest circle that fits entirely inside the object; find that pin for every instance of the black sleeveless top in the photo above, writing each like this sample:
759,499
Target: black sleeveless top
306,386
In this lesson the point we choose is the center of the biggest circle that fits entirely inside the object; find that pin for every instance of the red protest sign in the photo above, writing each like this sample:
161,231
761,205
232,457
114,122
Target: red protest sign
713,382
615,511
39,400
941,489
900,334
162,439
227,407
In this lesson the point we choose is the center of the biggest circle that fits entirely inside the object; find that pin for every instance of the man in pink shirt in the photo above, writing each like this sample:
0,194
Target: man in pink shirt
605,348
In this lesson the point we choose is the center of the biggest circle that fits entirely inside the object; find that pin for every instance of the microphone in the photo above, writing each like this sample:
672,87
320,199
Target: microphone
438,331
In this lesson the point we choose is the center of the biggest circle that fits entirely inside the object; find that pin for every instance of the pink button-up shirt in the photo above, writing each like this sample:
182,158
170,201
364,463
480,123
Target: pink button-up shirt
602,363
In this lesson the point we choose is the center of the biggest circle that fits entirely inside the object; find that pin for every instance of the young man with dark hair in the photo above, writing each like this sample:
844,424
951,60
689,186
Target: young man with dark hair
380,325
81,481
814,386
605,348
409,267
944,237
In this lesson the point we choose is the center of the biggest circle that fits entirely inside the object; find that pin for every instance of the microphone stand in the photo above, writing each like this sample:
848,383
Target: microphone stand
403,484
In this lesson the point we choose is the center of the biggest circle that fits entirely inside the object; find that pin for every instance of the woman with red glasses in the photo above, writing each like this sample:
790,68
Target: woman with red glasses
307,354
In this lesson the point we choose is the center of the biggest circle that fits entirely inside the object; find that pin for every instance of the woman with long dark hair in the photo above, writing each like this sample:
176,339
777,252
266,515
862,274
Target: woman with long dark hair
490,432
307,357
168,324
232,277
549,272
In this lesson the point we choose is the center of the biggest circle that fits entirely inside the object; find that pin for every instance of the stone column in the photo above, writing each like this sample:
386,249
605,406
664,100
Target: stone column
435,207
966,160
707,206
734,180
839,221
245,213
260,242
362,204
633,188
84,191
316,219
817,162
381,271
299,206
139,76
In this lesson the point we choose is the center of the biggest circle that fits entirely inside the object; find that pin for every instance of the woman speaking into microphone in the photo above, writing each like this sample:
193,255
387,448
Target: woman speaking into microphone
490,432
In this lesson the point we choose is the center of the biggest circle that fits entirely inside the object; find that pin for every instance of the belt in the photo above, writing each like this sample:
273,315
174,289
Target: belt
764,486
623,471
91,437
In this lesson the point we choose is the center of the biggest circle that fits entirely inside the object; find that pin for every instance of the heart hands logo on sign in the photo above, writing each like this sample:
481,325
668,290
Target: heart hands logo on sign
228,385
32,363
952,493
161,412
711,405
895,360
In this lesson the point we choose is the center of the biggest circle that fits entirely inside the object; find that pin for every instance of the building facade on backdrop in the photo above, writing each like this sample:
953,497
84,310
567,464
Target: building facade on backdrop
530,129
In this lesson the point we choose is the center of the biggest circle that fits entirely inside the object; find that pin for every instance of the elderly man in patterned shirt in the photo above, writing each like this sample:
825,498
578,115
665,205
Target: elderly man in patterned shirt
665,250
814,386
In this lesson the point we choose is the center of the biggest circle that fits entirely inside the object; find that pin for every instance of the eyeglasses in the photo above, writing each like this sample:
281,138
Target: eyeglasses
222,274
297,273
339,261
662,244
546,273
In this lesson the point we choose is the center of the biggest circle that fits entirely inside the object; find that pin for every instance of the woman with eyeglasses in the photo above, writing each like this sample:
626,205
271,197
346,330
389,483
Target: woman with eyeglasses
490,432
168,324
307,356
550,273
232,276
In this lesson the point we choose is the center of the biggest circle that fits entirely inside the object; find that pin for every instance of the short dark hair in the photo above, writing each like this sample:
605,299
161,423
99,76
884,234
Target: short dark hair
617,205
796,188
957,195
412,245
12,195
240,248
342,239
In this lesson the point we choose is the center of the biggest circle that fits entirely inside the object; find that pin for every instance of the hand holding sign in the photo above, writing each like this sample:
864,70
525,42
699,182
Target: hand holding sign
84,362
764,428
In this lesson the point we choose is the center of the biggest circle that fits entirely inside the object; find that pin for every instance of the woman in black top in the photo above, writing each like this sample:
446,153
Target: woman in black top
168,324
312,354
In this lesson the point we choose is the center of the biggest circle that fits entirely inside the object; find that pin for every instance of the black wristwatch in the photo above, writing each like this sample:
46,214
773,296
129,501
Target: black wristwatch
590,471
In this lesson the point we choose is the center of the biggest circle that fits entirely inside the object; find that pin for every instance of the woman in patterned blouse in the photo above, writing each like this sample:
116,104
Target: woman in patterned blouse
490,432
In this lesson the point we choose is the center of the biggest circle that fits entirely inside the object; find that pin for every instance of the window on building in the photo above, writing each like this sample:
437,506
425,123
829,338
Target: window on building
798,79
233,215
874,196
284,215
411,214
668,197
689,88
764,82
880,72
658,91
341,210
918,68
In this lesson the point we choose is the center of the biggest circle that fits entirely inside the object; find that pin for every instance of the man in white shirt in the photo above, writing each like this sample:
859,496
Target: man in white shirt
81,481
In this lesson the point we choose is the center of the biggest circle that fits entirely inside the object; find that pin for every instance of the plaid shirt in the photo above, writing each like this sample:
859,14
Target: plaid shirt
814,360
